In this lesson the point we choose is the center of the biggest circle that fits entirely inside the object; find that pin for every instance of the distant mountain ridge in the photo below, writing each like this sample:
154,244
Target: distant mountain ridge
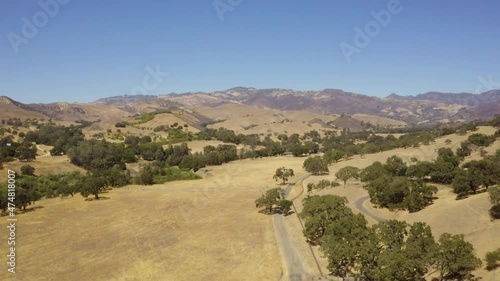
428,109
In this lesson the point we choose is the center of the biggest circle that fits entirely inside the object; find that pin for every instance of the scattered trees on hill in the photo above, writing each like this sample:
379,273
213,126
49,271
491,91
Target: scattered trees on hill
284,174
389,250
316,165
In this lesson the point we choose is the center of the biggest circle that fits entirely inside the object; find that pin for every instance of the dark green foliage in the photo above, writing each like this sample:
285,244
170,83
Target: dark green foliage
27,192
333,156
390,250
173,174
146,175
121,124
193,162
27,170
62,138
152,151
97,155
494,194
323,184
446,155
348,244
319,212
272,197
455,257
395,166
443,172
70,183
26,152
389,188
481,139
8,152
346,173
284,174
495,212
493,259
372,172
316,165
476,174
464,150
285,205
93,185
421,170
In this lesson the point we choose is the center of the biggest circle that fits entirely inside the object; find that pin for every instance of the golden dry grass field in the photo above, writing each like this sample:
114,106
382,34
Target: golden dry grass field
206,229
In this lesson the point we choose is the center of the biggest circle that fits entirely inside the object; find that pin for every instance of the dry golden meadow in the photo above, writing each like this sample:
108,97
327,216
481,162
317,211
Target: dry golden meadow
209,229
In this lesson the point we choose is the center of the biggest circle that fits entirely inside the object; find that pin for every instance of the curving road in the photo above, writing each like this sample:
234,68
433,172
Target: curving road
294,263
359,204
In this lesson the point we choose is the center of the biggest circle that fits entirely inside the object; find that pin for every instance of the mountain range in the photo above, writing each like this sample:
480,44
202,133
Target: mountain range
425,109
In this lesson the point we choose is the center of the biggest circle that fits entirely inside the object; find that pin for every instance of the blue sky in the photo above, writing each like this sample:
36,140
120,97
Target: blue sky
92,49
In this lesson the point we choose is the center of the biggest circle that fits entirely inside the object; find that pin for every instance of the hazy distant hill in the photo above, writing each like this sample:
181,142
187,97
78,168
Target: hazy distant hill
429,108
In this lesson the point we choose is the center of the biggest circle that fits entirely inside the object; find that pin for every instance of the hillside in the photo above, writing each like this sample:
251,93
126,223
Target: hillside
426,109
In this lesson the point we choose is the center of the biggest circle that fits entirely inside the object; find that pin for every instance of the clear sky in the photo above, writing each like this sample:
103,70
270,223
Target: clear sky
87,49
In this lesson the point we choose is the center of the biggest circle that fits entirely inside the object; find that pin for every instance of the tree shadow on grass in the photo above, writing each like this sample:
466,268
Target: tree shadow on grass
275,211
18,212
100,198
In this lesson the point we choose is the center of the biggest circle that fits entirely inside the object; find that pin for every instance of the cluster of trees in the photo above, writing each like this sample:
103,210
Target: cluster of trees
391,185
211,155
389,250
322,184
156,174
26,193
316,165
31,188
396,185
60,137
10,149
477,174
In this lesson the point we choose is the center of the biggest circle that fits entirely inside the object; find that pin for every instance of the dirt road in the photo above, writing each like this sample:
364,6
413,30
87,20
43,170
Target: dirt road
294,263
360,206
